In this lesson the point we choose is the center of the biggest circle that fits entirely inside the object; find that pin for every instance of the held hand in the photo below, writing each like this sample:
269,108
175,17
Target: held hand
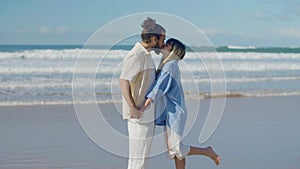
142,109
134,113
146,104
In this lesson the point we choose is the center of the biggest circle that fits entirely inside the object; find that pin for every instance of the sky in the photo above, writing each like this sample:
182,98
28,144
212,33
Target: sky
225,22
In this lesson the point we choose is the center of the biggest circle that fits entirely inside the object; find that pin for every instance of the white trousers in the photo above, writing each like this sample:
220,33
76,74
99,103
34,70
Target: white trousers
174,144
140,139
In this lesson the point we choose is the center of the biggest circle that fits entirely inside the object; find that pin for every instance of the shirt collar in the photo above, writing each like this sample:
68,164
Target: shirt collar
141,47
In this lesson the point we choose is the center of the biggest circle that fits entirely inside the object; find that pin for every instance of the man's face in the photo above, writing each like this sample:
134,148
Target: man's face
160,43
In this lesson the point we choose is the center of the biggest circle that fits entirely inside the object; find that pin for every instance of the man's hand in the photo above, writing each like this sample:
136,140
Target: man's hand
126,92
134,113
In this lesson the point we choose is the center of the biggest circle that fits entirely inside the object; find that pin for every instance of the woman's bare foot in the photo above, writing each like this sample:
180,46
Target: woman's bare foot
214,156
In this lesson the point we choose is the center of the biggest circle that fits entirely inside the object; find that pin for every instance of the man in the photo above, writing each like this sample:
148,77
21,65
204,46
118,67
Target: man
137,76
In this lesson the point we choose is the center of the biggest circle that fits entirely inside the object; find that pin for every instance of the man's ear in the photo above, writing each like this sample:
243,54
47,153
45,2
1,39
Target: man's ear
154,39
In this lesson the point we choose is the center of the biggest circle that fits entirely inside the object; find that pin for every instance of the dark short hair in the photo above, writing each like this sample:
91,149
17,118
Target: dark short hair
177,47
150,29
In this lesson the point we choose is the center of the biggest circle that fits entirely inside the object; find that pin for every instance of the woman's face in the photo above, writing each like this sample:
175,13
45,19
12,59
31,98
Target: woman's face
166,49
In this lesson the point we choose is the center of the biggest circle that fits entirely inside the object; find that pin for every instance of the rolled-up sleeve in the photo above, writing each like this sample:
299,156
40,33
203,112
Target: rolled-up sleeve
132,65
161,86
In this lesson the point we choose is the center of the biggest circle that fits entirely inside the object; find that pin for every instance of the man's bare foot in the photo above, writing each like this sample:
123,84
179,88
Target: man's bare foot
214,156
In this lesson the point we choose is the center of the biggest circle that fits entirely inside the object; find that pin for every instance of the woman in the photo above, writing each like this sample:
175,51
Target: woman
167,94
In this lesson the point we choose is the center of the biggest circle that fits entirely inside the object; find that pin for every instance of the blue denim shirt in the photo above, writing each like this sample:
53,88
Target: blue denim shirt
168,96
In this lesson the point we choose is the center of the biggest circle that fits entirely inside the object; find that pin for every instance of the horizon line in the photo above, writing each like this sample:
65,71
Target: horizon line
233,46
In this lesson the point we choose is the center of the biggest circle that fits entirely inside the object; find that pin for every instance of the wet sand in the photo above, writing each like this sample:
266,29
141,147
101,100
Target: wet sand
260,133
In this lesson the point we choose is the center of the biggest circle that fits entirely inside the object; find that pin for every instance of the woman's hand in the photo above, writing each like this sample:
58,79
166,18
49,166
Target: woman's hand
142,109
146,104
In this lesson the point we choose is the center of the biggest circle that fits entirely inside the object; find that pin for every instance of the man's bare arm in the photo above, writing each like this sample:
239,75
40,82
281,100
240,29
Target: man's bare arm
126,91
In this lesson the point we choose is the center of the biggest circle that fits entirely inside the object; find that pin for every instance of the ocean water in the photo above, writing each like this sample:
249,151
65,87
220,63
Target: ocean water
40,75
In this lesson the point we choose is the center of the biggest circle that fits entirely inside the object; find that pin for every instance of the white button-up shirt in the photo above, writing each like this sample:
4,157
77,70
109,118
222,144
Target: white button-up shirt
139,69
